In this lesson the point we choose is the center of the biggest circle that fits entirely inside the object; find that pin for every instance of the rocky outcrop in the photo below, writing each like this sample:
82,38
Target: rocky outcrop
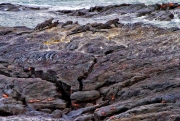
131,72
14,7
85,95
162,12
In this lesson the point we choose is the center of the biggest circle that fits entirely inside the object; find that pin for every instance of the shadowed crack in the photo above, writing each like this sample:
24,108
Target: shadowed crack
4,73
3,113
85,75
65,95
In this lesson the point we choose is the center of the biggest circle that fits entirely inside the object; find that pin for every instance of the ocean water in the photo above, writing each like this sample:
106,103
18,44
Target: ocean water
32,18
76,4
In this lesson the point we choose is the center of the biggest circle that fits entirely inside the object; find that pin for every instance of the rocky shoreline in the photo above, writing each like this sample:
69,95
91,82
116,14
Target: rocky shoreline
65,71
161,15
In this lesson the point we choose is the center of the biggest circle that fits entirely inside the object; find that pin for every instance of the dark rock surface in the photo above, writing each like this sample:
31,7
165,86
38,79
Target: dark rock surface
85,95
14,7
131,72
162,12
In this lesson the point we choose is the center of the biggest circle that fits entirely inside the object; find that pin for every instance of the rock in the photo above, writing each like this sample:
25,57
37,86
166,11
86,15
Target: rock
76,113
36,93
89,117
89,104
5,32
57,113
66,110
85,95
161,15
9,106
147,10
56,103
13,7
130,72
29,118
136,113
46,110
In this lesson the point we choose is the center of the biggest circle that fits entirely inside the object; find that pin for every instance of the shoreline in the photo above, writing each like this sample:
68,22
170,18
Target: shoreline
89,76
146,14
101,70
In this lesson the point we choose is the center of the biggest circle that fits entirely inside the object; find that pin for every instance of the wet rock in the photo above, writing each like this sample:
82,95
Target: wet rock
161,15
65,11
85,95
13,7
5,32
174,29
146,10
8,7
135,7
80,12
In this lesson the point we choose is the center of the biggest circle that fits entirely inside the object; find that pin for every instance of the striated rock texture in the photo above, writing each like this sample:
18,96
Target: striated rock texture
131,72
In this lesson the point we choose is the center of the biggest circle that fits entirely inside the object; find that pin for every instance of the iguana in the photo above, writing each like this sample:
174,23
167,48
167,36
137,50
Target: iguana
67,23
47,24
44,24
53,24
84,28
107,25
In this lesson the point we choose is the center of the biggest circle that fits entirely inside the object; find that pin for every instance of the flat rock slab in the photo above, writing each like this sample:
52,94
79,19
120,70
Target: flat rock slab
48,104
85,95
13,7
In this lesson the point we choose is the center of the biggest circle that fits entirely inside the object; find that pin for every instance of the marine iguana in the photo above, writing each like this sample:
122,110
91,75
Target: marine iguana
84,28
79,29
53,24
107,25
47,24
44,24
114,21
95,27
67,23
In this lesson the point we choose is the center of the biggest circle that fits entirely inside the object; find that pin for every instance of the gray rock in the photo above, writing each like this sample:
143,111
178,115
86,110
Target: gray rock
85,95
134,68
9,106
57,113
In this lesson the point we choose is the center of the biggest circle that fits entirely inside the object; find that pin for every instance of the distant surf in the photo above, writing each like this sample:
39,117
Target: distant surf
78,4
